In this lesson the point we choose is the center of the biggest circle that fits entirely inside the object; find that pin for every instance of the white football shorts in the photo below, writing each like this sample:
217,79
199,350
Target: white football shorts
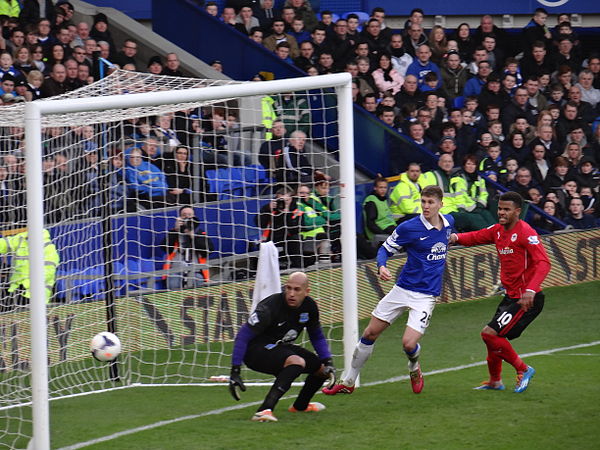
420,307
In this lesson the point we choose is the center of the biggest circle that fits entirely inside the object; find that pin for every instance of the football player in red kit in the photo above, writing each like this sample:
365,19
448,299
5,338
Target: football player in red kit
523,266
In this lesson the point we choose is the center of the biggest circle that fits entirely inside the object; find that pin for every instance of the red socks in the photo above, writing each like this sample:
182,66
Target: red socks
500,349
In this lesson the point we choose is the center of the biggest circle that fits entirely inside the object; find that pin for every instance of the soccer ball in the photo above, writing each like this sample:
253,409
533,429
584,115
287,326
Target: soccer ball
105,346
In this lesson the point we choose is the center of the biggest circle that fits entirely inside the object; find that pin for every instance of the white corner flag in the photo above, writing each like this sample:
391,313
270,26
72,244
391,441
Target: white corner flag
267,280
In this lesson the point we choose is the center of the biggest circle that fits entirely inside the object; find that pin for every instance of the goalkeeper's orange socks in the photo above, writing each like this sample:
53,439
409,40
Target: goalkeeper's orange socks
499,347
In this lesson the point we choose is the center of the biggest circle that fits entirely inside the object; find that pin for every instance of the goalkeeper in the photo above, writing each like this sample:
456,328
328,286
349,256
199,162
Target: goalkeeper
266,345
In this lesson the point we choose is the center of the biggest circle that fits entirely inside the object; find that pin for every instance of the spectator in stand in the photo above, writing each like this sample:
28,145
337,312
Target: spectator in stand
186,244
365,77
495,55
536,100
273,147
386,115
466,44
438,44
56,83
127,53
298,31
100,31
282,51
279,221
492,94
573,154
302,8
23,61
341,45
594,67
543,223
536,61
515,147
523,182
416,132
313,224
288,14
172,66
454,76
369,102
64,39
257,35
546,137
146,182
179,176
6,65
518,107
566,55
589,94
34,10
400,58
266,13
81,34
538,165
155,65
471,195
279,35
386,77
587,174
474,85
292,108
83,73
536,30
72,80
375,39
292,166
212,9
246,18
584,109
228,17
423,65
56,56
576,218
34,83
377,216
16,40
415,39
307,56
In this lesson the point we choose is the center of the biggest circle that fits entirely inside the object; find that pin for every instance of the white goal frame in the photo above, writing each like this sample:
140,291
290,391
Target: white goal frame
34,111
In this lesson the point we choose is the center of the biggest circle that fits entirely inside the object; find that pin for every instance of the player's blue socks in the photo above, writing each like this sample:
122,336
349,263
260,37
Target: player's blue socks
361,354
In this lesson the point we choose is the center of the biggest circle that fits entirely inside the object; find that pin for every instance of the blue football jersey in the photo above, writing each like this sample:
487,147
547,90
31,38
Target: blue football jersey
426,249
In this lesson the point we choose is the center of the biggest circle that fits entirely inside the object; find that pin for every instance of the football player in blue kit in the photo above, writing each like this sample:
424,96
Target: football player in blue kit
266,344
425,239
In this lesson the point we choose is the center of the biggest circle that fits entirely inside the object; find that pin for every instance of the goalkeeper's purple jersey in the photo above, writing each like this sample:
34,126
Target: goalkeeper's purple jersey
426,248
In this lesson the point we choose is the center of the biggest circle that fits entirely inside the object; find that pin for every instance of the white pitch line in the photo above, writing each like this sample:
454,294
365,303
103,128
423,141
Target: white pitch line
246,405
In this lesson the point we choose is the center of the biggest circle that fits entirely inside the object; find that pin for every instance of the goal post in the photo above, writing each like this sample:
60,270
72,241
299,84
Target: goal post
34,115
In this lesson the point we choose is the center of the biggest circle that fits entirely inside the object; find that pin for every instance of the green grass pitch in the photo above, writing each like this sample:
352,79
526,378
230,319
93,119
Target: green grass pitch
559,410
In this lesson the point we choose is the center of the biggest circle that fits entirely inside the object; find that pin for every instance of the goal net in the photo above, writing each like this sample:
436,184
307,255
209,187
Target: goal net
154,209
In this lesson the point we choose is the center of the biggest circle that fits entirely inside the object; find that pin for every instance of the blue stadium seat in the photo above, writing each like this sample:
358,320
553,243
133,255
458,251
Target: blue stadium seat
131,278
75,287
226,182
334,17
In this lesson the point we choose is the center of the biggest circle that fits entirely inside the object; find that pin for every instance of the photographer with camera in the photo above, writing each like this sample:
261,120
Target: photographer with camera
186,245
280,221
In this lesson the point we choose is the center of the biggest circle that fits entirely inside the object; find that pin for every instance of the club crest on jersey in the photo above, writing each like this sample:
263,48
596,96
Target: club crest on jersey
533,240
303,317
438,251
253,319
513,238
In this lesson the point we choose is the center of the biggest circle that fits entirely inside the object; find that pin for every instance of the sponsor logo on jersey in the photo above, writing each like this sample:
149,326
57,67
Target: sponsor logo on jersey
513,238
506,251
303,317
533,240
438,251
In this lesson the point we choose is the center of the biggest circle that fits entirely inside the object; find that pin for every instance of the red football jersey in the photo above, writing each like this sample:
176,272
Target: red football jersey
523,260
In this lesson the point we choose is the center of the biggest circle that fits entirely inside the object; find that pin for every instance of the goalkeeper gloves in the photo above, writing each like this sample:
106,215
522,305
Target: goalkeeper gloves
329,372
235,382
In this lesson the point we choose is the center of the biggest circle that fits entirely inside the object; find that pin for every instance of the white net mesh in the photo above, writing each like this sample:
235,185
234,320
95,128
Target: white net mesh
178,281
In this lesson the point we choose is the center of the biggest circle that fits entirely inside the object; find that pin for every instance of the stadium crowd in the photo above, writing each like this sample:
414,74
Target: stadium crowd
497,114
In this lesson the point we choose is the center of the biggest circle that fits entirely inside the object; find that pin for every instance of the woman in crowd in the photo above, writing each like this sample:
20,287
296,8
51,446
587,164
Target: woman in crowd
386,77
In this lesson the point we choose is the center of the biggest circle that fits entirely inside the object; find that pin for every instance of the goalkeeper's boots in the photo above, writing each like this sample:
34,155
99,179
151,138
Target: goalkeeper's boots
416,380
266,415
338,389
312,407
490,386
523,379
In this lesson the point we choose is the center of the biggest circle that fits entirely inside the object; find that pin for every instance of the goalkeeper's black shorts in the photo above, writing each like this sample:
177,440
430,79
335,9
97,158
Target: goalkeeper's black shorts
510,320
271,361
